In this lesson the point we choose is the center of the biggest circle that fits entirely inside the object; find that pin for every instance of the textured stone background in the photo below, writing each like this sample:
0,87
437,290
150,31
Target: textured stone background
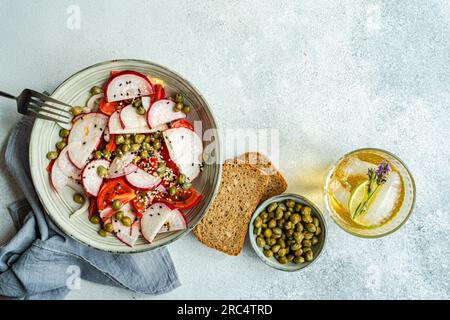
332,76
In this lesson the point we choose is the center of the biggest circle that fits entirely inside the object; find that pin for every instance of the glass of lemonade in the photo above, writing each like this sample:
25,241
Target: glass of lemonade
369,193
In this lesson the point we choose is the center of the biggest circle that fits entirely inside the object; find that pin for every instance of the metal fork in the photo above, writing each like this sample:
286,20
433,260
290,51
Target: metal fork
36,104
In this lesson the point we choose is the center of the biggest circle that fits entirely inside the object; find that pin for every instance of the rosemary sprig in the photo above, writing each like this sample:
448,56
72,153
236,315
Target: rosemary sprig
376,179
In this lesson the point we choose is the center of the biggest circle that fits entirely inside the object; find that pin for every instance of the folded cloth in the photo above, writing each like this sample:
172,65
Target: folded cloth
40,262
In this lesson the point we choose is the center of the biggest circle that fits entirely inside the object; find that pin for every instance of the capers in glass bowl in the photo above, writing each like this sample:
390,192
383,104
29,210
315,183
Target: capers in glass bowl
287,232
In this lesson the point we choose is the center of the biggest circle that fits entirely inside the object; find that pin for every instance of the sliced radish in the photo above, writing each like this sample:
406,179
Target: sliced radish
85,136
130,119
141,179
75,185
115,126
66,166
93,104
177,221
90,179
161,112
153,219
106,213
58,178
127,235
117,167
81,210
127,85
185,149
146,101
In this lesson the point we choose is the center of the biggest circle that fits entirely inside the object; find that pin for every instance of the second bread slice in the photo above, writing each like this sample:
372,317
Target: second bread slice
225,224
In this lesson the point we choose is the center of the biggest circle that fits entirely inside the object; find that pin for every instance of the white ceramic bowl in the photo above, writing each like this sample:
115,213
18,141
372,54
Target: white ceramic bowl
75,91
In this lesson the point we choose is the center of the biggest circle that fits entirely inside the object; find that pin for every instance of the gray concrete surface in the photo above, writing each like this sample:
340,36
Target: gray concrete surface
332,76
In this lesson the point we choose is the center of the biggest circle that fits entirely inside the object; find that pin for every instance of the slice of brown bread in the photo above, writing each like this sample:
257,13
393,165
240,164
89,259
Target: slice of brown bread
277,183
225,224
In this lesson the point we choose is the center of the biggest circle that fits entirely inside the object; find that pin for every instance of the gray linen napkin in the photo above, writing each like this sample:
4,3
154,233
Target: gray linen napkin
40,262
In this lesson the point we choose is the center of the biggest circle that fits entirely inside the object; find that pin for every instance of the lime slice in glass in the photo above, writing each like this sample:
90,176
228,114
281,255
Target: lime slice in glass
358,196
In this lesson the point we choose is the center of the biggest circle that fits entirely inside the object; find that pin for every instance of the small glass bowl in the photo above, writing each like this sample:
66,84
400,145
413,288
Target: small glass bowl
317,248
398,220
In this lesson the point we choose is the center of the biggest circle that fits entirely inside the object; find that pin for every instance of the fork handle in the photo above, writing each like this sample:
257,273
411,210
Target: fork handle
7,95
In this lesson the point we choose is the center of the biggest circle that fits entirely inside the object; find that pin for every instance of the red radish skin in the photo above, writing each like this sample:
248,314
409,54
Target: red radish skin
106,213
127,85
90,179
161,112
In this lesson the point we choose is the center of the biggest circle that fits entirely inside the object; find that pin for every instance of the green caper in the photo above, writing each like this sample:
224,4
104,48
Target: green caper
271,215
260,242
137,103
271,241
295,218
116,204
127,136
172,191
135,147
136,159
272,223
126,221
309,256
277,231
283,260
307,218
299,227
186,109
268,253
282,206
264,225
318,231
140,110
275,248
76,111
297,207
102,171
279,211
288,225
290,203
296,247
272,207
179,98
119,215
103,233
148,139
178,107
306,243
61,145
298,236
316,221
290,209
118,153
298,252
64,133
280,223
127,141
282,243
125,148
314,241
108,227
268,233
279,214
181,179
289,233
96,90
276,236
144,154
120,139
161,168
311,227
146,146
257,231
157,144
308,235
306,210
139,138
299,260
282,252
186,186
98,154
290,257
287,215
264,215
95,219
257,222
52,155
78,198
106,154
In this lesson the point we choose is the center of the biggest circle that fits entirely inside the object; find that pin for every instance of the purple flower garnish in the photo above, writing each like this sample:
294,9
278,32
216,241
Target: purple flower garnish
383,170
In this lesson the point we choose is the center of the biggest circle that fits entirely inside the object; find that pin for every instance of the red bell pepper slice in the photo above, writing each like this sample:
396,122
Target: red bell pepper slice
158,92
111,145
108,108
183,200
116,189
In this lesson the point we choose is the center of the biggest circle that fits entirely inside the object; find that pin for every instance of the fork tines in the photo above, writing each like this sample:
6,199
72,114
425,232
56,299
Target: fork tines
48,108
